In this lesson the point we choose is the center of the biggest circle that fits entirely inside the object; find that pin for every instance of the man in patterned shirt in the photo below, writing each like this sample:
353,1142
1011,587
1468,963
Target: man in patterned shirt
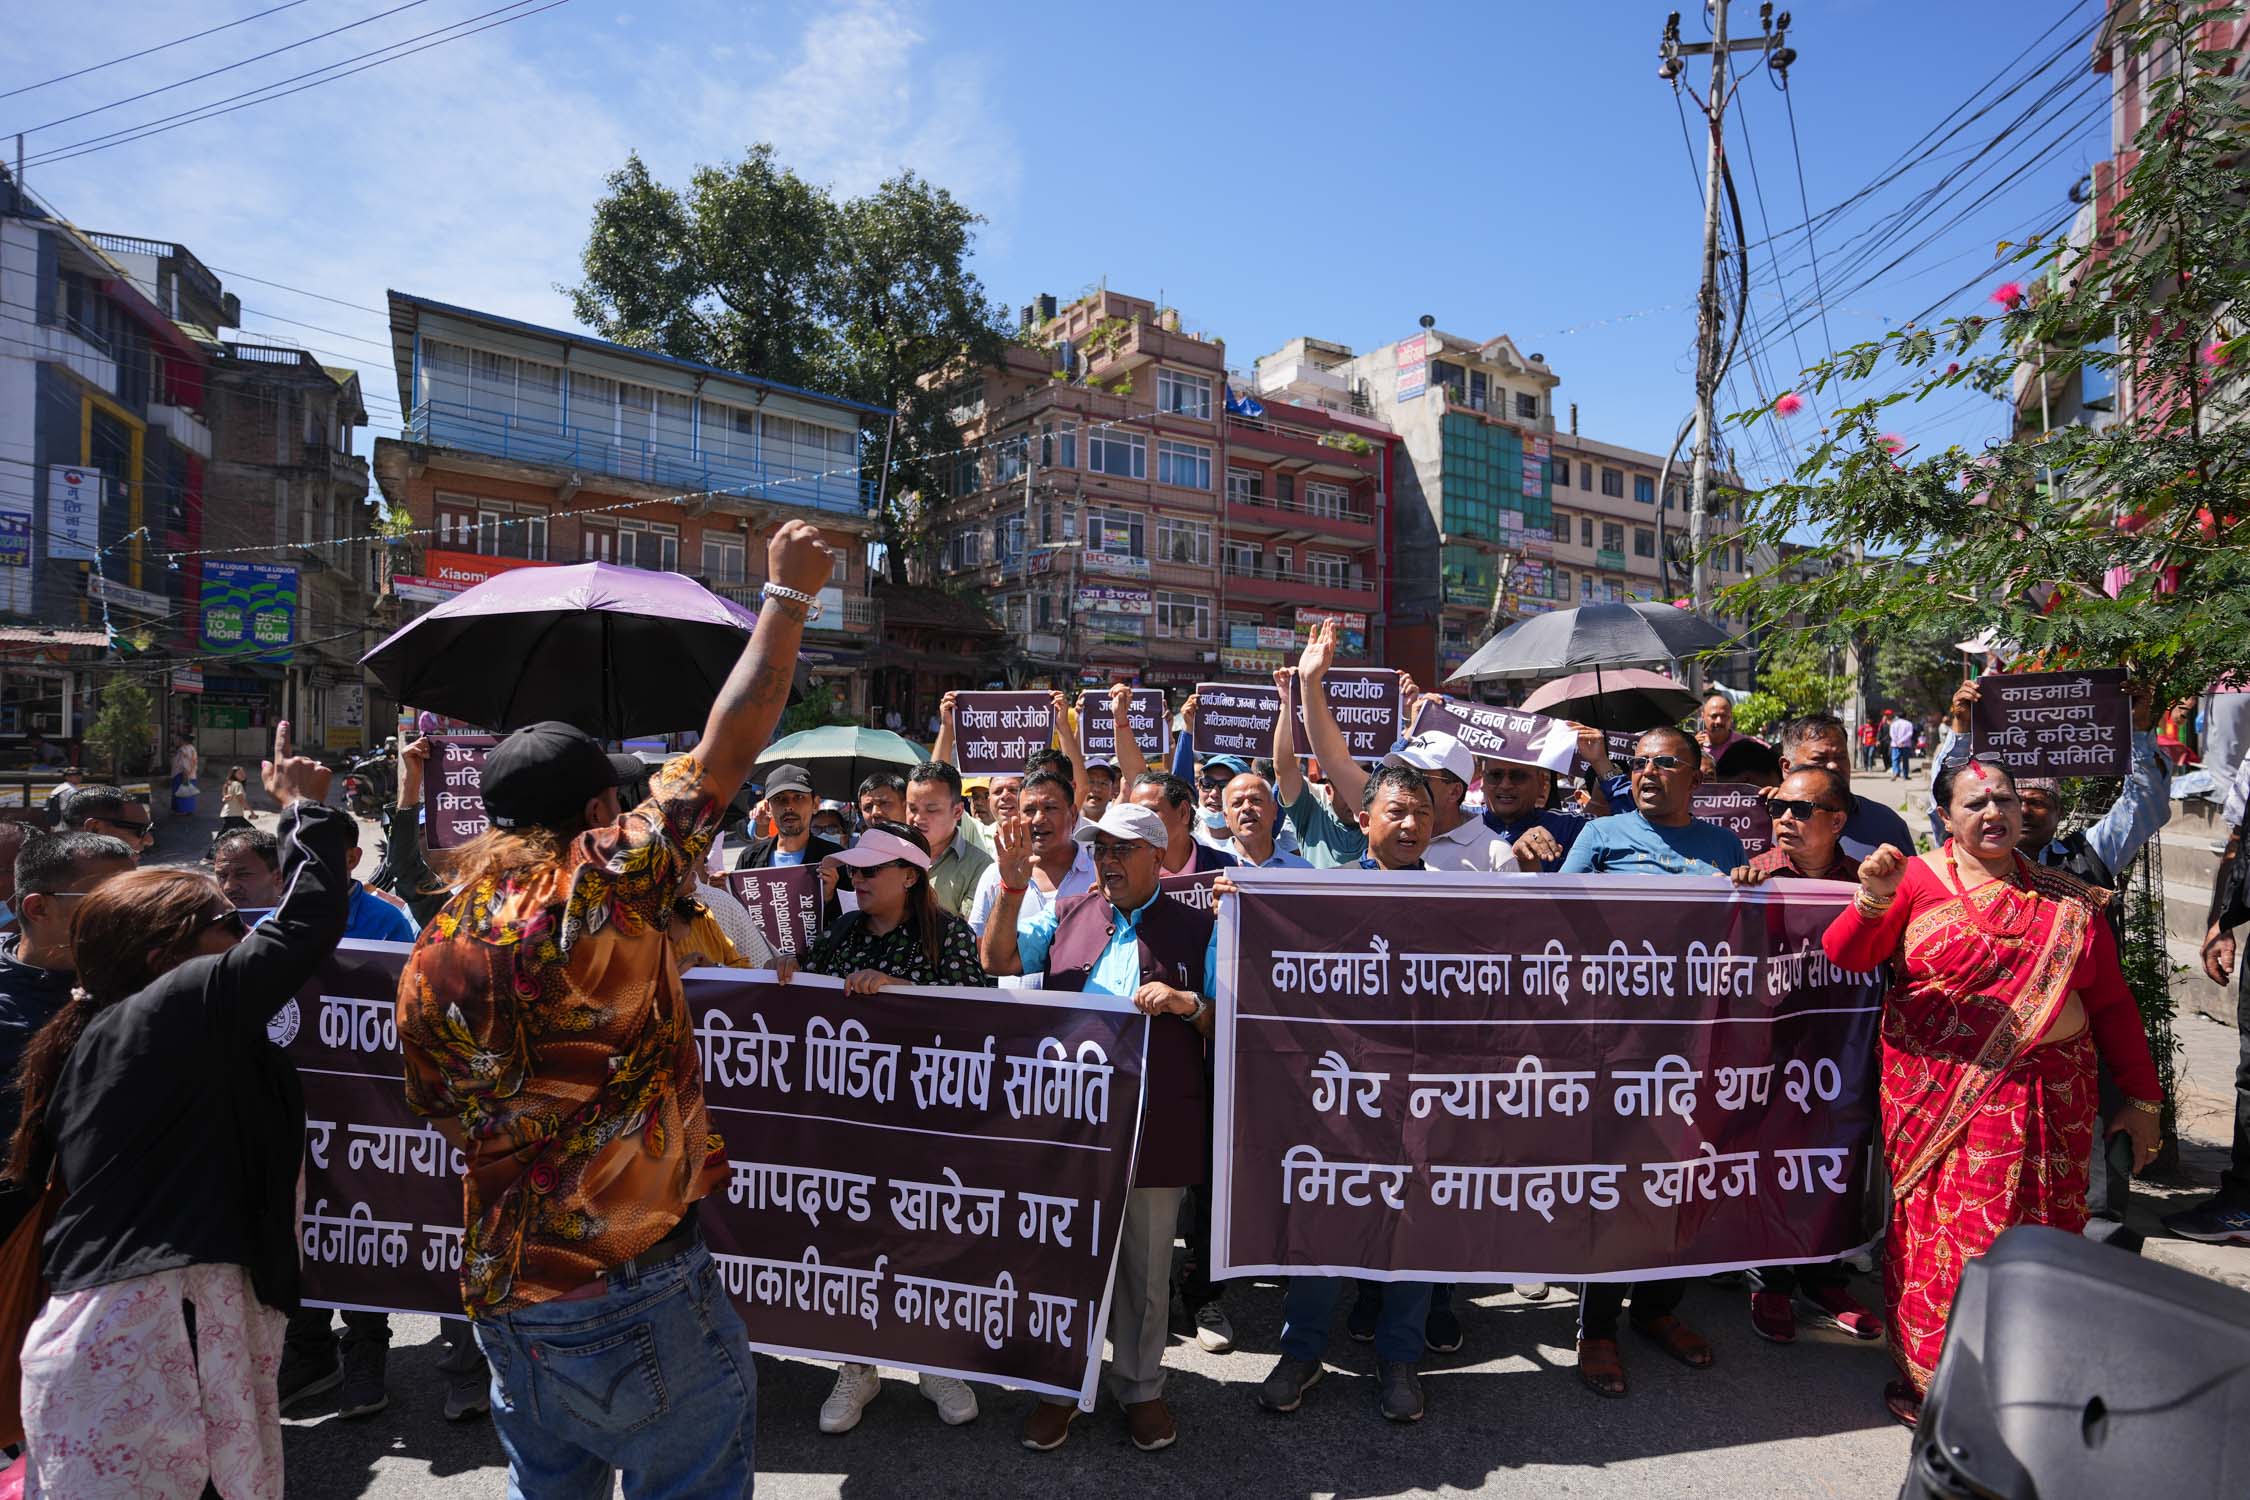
546,1030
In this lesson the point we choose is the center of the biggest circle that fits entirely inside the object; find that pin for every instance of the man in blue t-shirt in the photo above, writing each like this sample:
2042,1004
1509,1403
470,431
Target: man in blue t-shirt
1660,836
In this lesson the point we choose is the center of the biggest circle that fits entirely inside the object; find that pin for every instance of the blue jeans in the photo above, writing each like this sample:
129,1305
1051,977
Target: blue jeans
653,1378
1309,1310
1898,761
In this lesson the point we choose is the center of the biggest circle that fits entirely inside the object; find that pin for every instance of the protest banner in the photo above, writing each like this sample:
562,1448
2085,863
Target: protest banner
454,795
1739,809
1443,1077
2054,723
1152,727
1509,734
995,733
1234,718
926,1179
785,902
1192,891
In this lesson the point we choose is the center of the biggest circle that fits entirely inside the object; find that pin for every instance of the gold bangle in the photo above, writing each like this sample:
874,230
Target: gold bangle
2147,1106
1868,906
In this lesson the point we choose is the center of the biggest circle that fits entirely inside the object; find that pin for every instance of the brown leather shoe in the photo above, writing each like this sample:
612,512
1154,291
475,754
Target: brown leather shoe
1600,1368
1151,1424
1048,1424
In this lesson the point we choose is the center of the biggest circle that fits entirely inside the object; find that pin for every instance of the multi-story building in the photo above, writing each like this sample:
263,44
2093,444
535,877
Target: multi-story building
527,446
1132,526
105,346
1469,491
290,504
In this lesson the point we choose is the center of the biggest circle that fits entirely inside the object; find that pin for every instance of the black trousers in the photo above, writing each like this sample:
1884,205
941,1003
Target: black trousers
1599,1303
2234,1182
311,1327
2109,1175
1197,1289
1794,1279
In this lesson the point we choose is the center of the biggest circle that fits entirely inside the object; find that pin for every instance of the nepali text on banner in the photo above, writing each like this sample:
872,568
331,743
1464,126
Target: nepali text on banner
1452,1077
930,1179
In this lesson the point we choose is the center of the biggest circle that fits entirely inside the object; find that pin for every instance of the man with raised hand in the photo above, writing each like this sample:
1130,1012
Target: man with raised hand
1061,866
1659,836
1124,939
545,991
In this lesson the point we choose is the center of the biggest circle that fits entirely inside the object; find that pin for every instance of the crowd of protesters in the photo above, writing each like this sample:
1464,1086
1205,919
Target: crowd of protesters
154,1134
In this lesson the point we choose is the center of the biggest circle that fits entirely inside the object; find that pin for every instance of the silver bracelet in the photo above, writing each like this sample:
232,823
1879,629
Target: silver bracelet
778,591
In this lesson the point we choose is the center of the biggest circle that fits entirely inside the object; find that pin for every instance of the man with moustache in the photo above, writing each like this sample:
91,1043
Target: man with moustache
790,802
1061,867
1821,740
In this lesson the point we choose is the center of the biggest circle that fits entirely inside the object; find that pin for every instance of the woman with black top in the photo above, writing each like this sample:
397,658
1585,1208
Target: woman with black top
172,1127
899,935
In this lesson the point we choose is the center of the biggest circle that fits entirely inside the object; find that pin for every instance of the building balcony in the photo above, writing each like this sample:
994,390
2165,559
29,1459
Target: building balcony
184,427
1288,586
837,490
1271,513
1299,449
858,614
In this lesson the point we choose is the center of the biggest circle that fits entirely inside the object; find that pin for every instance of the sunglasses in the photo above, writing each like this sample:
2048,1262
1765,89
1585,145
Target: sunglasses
229,921
1113,853
1797,807
139,827
1639,763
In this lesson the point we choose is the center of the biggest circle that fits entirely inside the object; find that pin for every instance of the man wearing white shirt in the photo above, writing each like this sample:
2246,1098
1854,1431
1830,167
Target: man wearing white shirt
1254,818
1061,867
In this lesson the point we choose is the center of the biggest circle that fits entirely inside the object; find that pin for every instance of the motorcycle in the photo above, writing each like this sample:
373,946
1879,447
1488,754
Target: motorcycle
369,783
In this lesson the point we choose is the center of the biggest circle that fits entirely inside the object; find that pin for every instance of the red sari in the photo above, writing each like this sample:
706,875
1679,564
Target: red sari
1984,1127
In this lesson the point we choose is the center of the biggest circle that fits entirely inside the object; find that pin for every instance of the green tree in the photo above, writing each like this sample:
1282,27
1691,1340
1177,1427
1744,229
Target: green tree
125,723
2124,545
1916,672
755,269
1793,680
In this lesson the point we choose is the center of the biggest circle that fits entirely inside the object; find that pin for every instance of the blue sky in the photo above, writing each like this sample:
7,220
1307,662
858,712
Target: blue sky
1272,170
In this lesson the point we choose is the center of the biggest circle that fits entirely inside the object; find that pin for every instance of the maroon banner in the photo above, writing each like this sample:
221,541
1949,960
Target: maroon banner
1152,727
995,733
785,902
1442,1077
928,1179
2054,723
1191,891
453,795
1234,718
1509,734
1739,809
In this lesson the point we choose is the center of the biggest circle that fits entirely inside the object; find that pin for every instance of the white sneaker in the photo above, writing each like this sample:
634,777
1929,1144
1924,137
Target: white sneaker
954,1401
1212,1330
856,1385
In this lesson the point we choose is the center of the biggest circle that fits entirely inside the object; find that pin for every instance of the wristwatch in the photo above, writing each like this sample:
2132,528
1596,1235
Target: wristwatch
1202,1006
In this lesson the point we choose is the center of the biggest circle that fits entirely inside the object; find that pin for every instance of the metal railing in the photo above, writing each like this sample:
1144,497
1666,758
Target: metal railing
531,440
1298,507
1300,578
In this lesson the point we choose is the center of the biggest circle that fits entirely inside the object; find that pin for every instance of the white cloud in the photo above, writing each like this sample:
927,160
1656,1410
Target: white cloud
467,172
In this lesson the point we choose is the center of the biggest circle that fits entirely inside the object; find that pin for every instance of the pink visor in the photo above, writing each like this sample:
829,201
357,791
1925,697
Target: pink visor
876,847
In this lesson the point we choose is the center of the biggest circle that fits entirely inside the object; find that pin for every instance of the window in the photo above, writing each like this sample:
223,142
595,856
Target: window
723,559
597,541
965,477
1644,489
1644,542
494,528
1325,500
1016,610
1562,473
1585,531
1007,539
649,544
1613,536
1242,559
1046,610
1585,585
1058,446
1245,486
1738,558
1182,617
1187,465
840,565
1480,390
1188,395
1183,541
1527,404
1671,497
1119,533
1124,454
1328,570
1451,376
964,549
1585,476
1008,461
1613,483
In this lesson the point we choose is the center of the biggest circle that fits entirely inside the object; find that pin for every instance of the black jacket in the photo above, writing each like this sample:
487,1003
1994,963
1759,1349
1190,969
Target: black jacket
178,1125
29,999
758,853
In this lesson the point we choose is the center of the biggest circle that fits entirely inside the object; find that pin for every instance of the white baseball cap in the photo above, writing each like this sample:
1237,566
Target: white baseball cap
1126,820
1434,750
875,847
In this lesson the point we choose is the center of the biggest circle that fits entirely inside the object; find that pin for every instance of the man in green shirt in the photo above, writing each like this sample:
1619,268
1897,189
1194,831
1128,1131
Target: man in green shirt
934,808
1322,837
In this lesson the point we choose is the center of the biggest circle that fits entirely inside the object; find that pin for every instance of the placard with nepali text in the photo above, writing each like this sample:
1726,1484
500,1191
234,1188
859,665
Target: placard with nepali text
995,733
785,901
1739,809
928,1179
452,790
1152,727
1234,718
1443,1077
1509,734
2054,723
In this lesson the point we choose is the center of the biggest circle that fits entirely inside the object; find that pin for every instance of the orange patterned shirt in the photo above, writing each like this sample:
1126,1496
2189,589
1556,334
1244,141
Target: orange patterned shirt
544,1014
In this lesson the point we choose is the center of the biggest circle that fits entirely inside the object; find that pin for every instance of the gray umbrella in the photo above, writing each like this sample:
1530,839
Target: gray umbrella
1592,635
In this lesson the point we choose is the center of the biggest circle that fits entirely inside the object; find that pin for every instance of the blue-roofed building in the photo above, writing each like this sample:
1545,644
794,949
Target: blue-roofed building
526,445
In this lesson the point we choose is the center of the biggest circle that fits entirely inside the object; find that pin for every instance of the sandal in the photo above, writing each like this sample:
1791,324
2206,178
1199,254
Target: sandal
1600,1368
1678,1340
1904,1404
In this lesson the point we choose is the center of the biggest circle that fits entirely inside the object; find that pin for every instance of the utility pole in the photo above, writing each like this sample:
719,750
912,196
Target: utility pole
1709,366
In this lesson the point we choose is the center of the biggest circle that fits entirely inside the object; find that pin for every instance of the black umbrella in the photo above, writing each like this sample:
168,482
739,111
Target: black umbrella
1592,635
615,651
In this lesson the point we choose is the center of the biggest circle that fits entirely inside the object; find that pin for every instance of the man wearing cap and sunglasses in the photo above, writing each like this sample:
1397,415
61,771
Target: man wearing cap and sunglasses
546,992
1124,939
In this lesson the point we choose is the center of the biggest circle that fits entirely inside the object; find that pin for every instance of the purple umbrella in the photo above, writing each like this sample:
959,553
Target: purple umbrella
616,651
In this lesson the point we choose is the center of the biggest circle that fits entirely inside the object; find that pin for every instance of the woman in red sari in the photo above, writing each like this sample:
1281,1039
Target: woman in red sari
2005,985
